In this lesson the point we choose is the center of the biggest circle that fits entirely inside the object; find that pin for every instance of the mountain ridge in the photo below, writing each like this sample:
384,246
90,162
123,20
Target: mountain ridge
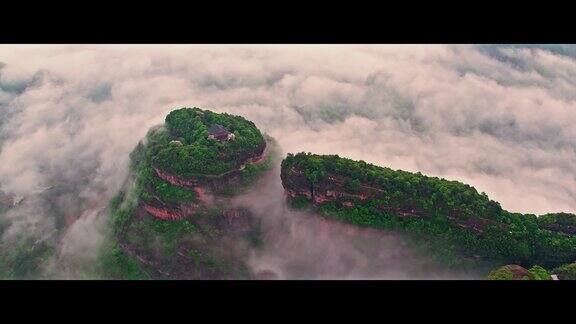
467,222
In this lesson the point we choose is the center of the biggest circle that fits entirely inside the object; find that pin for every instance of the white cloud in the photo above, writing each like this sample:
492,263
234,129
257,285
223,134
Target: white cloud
501,119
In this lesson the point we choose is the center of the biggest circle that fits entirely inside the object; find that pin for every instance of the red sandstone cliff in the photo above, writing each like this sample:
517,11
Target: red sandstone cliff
332,187
202,186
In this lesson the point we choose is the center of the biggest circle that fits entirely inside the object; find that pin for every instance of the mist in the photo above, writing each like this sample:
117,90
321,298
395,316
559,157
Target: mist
501,118
300,245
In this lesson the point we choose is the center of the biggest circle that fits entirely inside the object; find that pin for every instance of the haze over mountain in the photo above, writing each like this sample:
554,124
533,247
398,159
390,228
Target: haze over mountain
502,119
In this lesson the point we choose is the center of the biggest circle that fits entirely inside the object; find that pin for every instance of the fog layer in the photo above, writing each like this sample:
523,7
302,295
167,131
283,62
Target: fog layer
502,119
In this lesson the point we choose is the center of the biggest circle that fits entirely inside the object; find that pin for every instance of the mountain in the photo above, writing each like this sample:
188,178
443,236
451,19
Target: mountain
460,226
175,218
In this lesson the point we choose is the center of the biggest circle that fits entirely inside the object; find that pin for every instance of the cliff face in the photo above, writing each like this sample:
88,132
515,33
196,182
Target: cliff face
211,183
250,156
212,244
295,183
205,188
216,245
333,188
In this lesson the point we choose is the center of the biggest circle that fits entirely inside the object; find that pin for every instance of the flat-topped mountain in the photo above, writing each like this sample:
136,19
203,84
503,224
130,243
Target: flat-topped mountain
459,223
175,218
195,155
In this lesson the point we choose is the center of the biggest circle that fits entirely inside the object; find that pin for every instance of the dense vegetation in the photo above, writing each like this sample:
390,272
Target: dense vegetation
24,259
505,238
203,245
566,272
563,222
116,264
540,273
199,247
183,146
155,239
156,187
516,272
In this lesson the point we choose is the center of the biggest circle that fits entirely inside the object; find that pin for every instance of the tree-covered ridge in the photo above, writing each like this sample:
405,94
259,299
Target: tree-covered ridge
182,147
457,219
403,188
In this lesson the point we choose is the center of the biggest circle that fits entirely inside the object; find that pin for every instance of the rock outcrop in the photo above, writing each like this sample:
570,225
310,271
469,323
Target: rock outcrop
166,213
333,187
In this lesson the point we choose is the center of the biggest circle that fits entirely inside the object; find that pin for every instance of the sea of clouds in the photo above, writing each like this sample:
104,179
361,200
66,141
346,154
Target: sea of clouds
501,118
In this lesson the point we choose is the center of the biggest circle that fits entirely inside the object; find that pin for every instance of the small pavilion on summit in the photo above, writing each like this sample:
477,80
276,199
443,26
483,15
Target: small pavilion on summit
220,133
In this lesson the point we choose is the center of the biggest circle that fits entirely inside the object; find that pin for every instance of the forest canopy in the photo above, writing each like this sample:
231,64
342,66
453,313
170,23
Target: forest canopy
183,145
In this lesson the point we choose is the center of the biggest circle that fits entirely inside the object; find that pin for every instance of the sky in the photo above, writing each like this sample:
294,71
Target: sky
501,118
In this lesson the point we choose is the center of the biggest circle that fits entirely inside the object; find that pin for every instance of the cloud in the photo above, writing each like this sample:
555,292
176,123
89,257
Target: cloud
300,245
501,118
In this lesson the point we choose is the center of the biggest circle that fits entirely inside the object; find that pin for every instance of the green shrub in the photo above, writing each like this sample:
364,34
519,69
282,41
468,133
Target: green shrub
566,272
24,260
115,264
510,272
540,273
